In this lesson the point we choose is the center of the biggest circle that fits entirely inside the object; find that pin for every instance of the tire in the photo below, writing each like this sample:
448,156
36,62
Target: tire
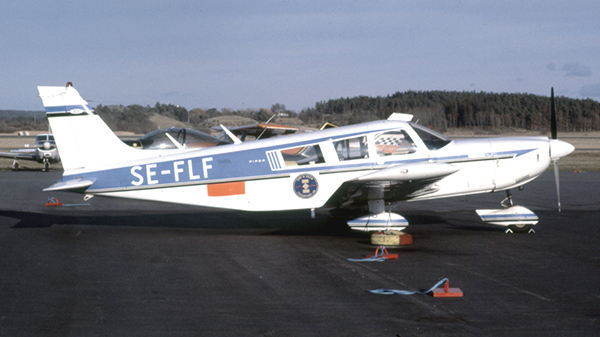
520,228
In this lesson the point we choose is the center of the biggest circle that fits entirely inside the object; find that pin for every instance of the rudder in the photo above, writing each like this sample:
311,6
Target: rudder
83,140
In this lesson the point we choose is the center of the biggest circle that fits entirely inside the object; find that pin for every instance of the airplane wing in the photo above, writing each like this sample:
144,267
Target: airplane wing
26,154
71,185
395,183
411,172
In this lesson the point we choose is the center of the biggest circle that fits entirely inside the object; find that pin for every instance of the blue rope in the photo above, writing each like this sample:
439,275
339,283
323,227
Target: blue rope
405,292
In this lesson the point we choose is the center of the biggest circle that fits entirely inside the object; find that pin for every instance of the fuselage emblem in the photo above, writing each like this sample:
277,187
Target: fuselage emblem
305,186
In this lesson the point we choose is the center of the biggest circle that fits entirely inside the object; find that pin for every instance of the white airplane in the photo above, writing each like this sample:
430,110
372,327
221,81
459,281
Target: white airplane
44,151
371,164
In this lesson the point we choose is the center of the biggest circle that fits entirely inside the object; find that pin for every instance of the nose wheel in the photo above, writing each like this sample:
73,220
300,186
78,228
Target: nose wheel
516,228
520,229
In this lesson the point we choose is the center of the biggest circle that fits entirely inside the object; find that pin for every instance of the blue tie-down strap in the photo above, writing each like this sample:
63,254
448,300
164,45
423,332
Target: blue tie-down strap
381,254
375,258
405,292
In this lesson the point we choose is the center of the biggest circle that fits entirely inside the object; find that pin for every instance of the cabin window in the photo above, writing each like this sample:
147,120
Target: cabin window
302,155
352,148
393,143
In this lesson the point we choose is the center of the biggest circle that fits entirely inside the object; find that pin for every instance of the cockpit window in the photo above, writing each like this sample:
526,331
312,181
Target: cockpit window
393,143
432,139
352,148
41,139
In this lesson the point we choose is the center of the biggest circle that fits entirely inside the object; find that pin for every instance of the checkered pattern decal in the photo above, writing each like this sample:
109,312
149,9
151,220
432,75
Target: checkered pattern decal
394,139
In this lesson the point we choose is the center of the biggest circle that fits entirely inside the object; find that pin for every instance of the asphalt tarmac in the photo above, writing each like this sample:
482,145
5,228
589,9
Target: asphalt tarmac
115,267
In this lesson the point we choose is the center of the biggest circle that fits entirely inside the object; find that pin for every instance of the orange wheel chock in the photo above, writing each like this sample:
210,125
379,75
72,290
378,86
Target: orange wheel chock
382,252
446,291
53,202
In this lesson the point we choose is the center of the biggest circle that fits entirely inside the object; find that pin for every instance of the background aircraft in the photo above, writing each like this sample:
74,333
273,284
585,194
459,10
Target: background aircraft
44,152
365,166
257,131
176,138
163,139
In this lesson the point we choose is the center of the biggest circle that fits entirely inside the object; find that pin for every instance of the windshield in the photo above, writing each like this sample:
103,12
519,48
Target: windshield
432,139
41,139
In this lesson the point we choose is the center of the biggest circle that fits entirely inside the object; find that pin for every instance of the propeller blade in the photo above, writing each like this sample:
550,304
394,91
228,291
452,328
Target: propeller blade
553,130
552,114
557,183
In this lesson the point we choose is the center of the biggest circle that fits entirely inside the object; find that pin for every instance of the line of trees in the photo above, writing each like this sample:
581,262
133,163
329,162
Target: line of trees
437,109
451,109
15,120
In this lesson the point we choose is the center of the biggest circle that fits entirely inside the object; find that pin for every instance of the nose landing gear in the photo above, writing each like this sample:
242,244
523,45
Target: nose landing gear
517,219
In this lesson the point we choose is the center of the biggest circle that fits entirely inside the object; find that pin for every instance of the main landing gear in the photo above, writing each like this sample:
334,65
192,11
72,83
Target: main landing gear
387,225
379,219
516,219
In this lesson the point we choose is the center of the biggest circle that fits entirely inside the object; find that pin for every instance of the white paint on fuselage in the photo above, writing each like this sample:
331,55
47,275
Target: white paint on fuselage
486,171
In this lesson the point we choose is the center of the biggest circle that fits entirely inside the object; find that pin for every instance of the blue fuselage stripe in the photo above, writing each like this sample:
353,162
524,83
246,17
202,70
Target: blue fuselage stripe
235,166
61,109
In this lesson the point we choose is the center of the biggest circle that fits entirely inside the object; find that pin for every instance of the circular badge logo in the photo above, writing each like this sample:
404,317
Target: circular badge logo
305,186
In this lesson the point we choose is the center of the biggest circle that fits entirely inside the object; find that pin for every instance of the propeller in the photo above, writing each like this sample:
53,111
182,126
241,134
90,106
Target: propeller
552,114
557,182
558,149
553,131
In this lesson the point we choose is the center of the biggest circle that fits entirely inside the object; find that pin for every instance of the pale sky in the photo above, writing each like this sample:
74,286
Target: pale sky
252,54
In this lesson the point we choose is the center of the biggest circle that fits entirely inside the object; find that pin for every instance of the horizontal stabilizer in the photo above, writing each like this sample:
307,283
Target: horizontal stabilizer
378,222
514,215
18,154
417,171
70,185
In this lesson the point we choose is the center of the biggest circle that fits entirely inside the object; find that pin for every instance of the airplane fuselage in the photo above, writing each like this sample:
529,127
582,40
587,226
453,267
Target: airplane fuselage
303,171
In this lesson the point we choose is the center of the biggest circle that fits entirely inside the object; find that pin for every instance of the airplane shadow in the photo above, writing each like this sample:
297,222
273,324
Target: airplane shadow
288,222
277,223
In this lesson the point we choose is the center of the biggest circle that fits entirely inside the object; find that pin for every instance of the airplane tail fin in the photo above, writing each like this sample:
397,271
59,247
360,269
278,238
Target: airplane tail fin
83,140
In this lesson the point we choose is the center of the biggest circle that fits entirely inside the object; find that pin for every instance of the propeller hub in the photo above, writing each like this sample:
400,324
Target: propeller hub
559,149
